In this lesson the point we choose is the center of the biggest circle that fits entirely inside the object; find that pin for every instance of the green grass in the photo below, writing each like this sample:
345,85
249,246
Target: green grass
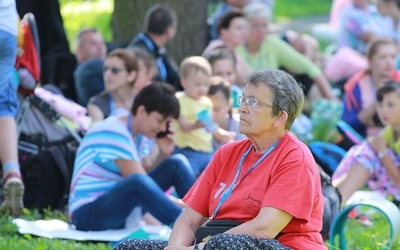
289,9
375,237
358,237
12,240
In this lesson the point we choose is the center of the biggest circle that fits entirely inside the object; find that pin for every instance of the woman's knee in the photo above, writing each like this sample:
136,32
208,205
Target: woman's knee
242,241
138,180
221,241
179,162
140,244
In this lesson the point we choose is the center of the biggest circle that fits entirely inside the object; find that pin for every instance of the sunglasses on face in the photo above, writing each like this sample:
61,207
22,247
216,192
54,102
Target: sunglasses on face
252,102
114,70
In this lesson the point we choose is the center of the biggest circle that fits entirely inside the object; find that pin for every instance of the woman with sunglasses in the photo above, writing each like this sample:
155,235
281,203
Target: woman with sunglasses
125,73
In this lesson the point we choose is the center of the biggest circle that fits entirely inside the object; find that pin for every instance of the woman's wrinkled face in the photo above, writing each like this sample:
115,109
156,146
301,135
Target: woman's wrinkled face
258,29
256,120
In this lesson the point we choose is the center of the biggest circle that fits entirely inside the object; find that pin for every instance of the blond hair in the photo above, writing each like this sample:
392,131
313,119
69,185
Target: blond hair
194,64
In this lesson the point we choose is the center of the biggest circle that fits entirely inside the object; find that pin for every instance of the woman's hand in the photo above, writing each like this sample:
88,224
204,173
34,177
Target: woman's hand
224,136
377,143
167,143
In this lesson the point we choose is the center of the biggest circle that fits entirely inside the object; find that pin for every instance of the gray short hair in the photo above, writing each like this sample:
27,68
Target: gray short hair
287,93
257,10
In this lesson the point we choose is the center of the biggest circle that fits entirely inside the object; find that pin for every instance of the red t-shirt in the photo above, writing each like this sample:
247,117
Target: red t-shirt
287,179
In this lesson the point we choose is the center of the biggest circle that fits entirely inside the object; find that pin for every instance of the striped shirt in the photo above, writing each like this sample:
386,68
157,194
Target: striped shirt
95,171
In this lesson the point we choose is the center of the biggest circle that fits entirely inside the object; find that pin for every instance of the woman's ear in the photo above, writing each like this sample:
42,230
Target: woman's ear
222,32
132,76
280,119
140,111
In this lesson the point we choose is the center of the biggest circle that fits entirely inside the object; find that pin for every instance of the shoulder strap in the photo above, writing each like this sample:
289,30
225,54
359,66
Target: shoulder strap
59,159
349,86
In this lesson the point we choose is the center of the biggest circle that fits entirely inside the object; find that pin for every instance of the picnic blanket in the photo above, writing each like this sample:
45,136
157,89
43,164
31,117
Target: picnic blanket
62,230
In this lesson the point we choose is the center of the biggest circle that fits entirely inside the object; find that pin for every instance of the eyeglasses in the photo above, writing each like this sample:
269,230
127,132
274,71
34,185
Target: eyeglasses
113,70
252,102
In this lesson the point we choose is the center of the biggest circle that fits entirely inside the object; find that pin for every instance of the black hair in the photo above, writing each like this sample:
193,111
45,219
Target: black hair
226,20
158,97
219,84
387,87
159,18
220,54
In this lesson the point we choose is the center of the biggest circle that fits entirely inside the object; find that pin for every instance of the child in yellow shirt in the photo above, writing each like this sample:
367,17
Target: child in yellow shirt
195,128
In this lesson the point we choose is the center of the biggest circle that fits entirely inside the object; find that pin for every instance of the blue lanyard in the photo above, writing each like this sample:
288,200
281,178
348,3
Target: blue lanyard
234,184
138,136
162,69
130,124
148,42
112,104
160,64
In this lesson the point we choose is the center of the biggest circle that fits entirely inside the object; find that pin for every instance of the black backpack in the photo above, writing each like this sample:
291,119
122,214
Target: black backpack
332,204
47,177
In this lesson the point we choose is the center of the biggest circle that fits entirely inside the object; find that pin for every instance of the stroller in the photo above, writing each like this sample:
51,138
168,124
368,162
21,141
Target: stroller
46,140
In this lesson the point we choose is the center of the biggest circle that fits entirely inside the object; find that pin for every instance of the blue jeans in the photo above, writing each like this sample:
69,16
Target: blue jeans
199,160
174,171
110,210
8,90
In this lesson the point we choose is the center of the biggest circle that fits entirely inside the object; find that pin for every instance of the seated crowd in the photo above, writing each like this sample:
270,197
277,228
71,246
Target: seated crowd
173,141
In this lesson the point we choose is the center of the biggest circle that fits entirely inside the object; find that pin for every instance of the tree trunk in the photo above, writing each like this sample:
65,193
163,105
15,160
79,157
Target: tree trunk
191,35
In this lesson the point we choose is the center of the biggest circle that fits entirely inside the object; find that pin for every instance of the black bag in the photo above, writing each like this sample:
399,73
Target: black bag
212,228
332,204
47,177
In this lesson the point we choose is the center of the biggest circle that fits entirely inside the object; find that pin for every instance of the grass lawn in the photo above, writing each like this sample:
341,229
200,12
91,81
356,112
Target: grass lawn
12,240
358,237
289,9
